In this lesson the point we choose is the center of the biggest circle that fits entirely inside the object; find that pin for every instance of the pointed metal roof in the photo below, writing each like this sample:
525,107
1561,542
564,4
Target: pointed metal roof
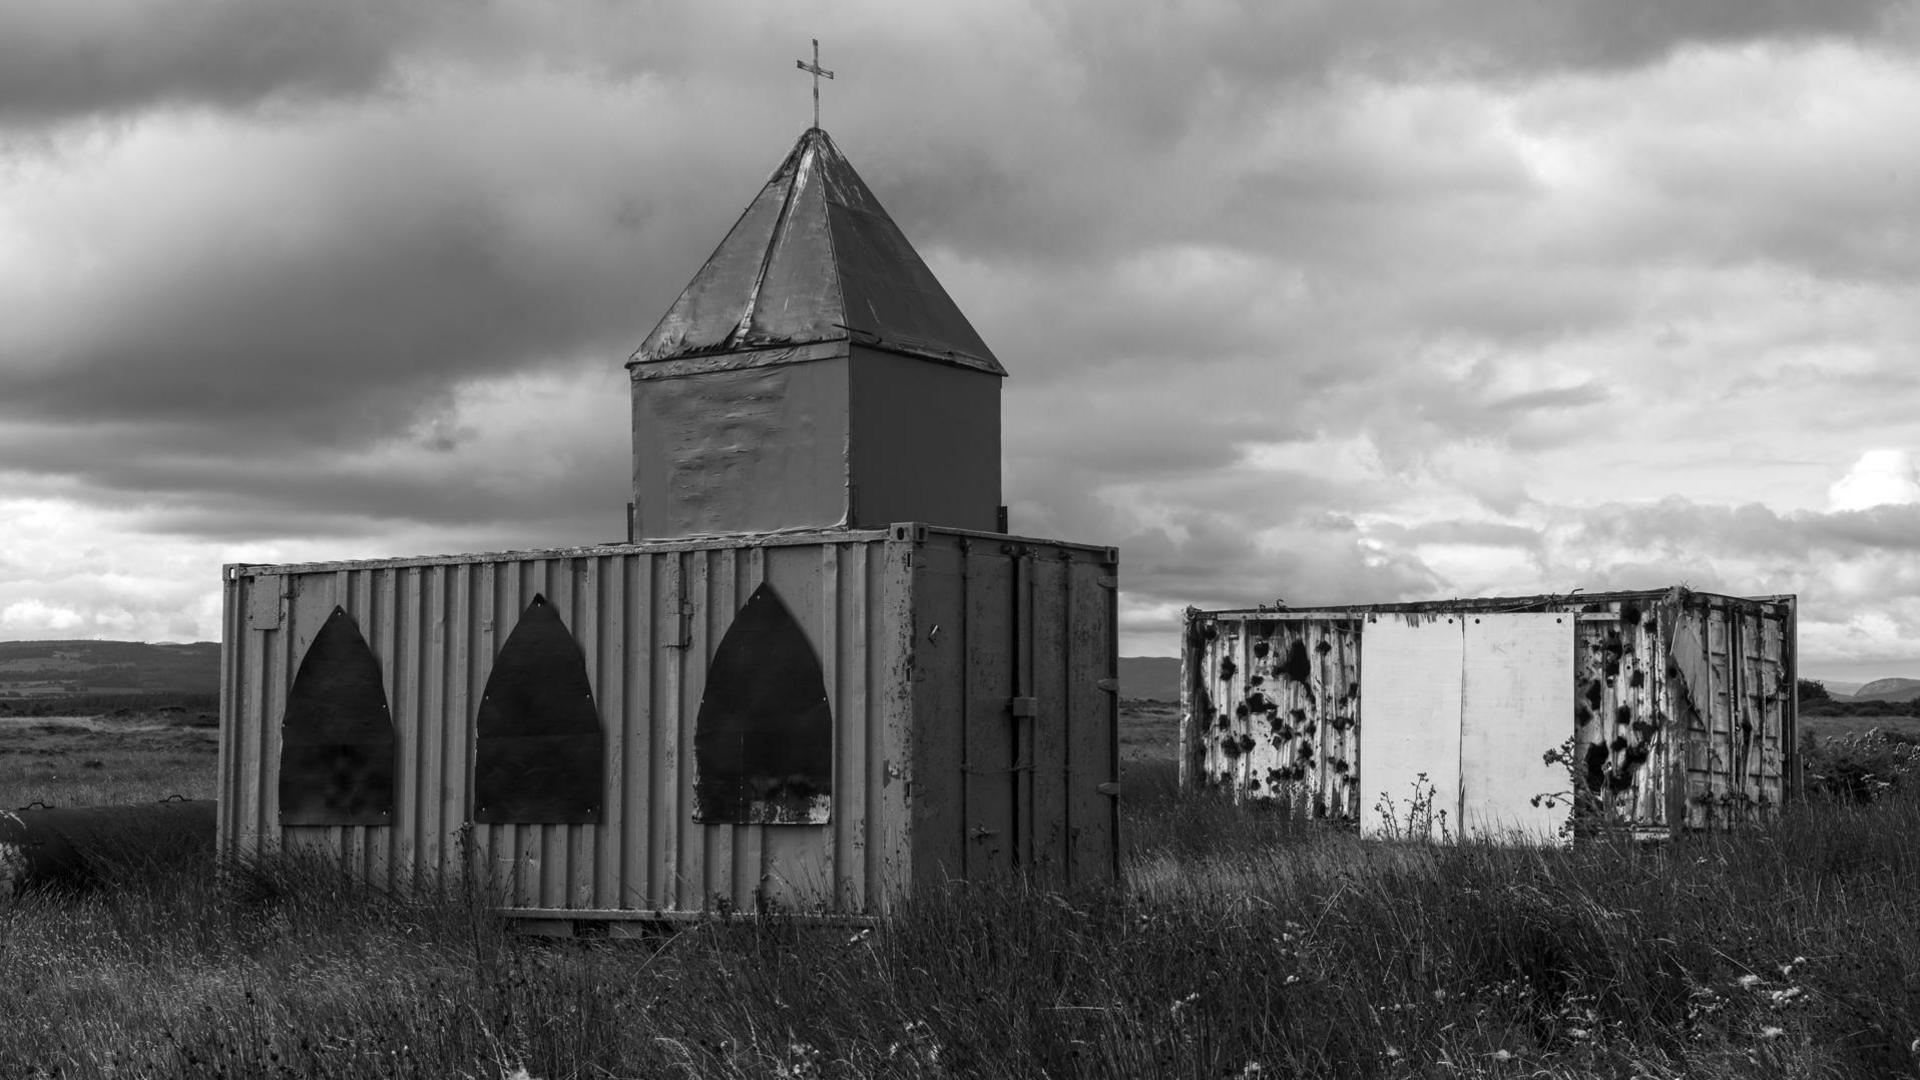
815,259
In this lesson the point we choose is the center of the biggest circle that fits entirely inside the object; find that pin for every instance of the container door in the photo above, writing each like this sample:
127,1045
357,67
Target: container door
1516,705
1459,713
1040,760
1410,675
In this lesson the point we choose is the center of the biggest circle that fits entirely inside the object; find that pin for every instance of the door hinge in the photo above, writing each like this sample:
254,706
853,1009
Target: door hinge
1024,708
981,832
1111,686
1111,789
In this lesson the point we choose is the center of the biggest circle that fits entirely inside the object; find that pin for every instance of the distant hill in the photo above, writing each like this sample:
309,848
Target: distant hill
1889,690
40,669
1156,678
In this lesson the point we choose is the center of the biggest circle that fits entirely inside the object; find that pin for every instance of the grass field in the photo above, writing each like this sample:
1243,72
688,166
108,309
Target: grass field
1242,944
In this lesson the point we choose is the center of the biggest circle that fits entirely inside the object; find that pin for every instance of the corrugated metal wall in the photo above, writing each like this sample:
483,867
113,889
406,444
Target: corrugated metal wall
647,620
1274,704
1684,711
1023,672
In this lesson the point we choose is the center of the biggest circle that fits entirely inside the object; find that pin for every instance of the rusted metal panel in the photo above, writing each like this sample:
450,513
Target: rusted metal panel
1273,702
902,697
1683,713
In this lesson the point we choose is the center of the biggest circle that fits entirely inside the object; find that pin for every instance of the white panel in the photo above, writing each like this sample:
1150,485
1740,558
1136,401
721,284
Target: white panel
1410,725
1516,705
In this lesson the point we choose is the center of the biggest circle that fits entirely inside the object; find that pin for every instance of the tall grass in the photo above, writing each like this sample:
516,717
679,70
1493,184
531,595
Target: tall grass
1242,944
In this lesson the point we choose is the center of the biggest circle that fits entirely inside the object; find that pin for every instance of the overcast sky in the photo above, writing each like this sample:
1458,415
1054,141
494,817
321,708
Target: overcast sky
1343,301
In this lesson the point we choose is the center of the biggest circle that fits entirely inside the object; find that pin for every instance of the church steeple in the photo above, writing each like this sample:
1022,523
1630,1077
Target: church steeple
814,373
815,259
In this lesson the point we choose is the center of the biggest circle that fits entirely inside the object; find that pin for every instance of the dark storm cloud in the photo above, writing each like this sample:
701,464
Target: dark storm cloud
1139,57
58,58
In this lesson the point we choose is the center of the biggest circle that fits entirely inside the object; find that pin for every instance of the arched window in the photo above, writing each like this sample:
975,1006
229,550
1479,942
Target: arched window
763,742
336,739
539,756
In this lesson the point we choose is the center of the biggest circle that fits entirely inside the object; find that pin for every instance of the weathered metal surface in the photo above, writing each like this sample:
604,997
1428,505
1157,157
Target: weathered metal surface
893,636
1683,713
815,258
813,374
763,740
337,749
538,749
1411,678
1272,703
61,847
1515,698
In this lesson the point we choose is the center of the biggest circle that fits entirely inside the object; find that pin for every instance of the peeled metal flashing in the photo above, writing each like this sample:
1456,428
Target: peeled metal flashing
731,360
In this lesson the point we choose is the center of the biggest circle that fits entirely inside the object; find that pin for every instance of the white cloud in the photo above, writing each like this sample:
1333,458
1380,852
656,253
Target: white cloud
1878,478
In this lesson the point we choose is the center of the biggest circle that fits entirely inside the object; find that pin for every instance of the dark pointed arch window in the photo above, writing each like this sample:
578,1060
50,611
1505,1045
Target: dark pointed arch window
539,755
337,745
763,742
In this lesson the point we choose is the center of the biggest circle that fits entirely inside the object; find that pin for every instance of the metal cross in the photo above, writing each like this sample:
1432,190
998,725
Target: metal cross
817,72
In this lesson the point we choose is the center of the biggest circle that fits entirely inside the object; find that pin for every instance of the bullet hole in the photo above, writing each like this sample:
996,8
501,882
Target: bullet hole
1595,691
1341,722
1246,743
1638,679
1652,624
1746,728
1225,722
1226,776
1619,742
1353,691
1241,711
1611,668
1591,608
1299,715
1298,667
1227,668
1673,668
1256,680
1305,753
1630,613
1284,731
1319,804
1582,716
1258,702
1211,632
1340,766
1276,777
1309,729
1260,650
1324,647
1620,781
1623,715
1253,785
1596,766
1643,730
1231,748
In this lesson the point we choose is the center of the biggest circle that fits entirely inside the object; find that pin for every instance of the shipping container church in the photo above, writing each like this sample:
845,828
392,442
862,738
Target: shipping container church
819,677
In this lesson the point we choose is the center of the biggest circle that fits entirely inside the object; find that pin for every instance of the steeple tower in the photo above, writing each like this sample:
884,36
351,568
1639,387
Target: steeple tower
814,374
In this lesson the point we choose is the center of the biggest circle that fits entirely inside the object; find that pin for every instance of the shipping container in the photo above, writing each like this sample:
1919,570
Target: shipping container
1545,716
811,722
